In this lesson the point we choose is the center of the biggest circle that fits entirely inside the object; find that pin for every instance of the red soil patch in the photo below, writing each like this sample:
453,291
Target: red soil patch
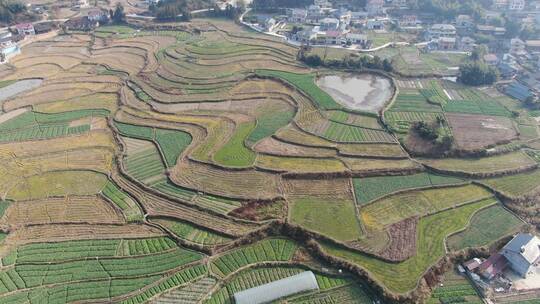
402,240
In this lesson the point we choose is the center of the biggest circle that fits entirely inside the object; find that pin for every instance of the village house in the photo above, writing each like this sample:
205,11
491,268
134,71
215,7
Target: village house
323,4
516,5
356,38
43,27
507,70
80,4
467,44
25,29
314,14
375,7
522,253
343,15
491,59
408,21
446,43
97,15
464,22
8,48
80,24
533,46
333,37
500,4
329,24
490,30
269,24
359,18
306,36
517,47
400,4
437,31
297,15
375,24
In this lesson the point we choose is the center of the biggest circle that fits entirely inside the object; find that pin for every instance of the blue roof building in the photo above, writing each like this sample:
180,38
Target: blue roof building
518,91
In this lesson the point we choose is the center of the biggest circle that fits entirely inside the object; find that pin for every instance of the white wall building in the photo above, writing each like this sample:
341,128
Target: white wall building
522,253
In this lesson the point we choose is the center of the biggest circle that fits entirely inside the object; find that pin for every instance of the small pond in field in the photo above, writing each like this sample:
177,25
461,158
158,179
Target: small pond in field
363,92
18,87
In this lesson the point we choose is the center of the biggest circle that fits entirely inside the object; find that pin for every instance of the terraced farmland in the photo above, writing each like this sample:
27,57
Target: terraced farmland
183,162
486,226
264,251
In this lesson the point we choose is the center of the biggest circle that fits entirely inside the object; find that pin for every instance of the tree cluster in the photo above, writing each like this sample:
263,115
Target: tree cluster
118,15
432,132
230,11
449,9
268,5
11,10
172,9
348,62
477,73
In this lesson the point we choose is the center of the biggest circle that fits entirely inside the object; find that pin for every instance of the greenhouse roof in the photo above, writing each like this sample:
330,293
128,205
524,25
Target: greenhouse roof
278,289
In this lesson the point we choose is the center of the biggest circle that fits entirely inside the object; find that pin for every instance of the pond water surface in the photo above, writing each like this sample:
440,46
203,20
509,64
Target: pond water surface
364,92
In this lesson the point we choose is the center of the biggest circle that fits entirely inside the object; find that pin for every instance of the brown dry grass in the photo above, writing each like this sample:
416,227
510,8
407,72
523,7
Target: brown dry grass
244,184
90,210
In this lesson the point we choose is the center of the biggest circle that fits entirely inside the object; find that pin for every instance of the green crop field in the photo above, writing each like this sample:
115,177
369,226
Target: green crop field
455,288
100,290
180,278
413,101
235,153
250,278
34,125
123,201
397,207
306,83
486,226
320,215
263,251
65,183
401,122
509,161
135,131
192,233
352,293
434,93
74,263
268,124
78,250
145,164
515,185
475,102
432,230
347,133
368,189
172,144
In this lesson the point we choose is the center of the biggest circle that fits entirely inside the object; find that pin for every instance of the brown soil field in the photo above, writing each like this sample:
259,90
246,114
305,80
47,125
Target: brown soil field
244,184
474,132
271,145
68,232
402,240
335,188
90,210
